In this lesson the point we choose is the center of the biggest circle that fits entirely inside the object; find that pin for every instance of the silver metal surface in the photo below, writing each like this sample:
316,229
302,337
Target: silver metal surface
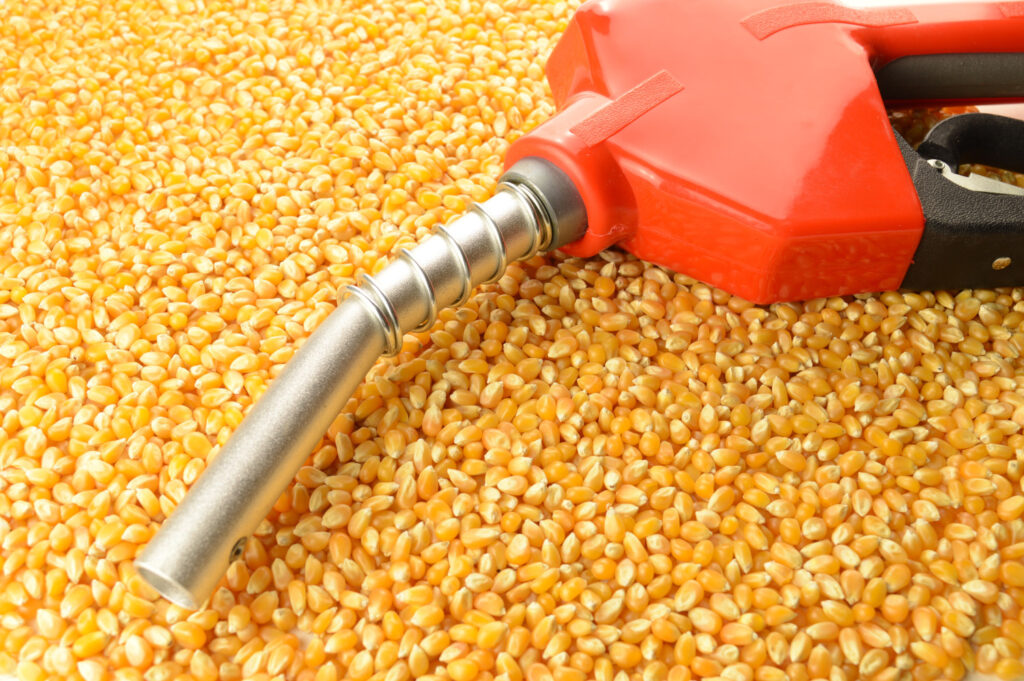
192,550
976,182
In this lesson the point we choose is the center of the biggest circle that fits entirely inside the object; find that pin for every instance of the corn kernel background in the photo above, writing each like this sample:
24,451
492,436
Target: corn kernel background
594,470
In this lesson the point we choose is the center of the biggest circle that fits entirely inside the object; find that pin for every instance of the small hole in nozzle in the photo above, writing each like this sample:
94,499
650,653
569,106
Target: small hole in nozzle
237,549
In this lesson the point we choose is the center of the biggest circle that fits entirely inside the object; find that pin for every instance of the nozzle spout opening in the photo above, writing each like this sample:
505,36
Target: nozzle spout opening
167,587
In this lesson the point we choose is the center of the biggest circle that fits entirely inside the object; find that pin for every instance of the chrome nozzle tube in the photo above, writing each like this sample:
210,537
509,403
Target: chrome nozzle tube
534,209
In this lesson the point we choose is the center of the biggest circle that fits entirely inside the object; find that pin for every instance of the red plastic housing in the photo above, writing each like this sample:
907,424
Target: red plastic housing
744,142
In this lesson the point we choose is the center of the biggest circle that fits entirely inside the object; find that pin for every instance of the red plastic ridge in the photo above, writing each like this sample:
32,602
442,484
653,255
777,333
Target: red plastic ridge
774,19
631,105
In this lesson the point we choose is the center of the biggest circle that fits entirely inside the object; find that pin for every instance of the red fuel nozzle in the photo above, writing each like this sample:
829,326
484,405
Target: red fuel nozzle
746,143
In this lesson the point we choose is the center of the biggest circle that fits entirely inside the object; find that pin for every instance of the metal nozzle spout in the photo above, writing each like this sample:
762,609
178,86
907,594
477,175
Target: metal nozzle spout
535,208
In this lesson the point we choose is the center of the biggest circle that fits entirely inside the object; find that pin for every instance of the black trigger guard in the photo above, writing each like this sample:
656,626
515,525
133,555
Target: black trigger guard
987,139
971,239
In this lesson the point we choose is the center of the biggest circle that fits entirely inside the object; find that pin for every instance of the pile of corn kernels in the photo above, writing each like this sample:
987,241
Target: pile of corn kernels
593,470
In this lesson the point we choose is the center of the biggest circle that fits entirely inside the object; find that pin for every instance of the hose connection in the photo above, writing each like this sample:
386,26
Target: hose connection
475,249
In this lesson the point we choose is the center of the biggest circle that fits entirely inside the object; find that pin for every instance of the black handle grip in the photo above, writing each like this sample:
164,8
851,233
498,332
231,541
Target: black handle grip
953,77
971,238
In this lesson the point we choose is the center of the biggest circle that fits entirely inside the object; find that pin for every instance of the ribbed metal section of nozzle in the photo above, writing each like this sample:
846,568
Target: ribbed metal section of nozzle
535,208
444,269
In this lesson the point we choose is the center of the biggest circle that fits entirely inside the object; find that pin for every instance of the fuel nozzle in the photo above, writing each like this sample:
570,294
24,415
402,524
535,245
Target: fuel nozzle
534,209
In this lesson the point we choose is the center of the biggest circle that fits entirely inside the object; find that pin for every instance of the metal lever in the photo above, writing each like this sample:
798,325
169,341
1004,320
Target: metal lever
536,208
976,182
